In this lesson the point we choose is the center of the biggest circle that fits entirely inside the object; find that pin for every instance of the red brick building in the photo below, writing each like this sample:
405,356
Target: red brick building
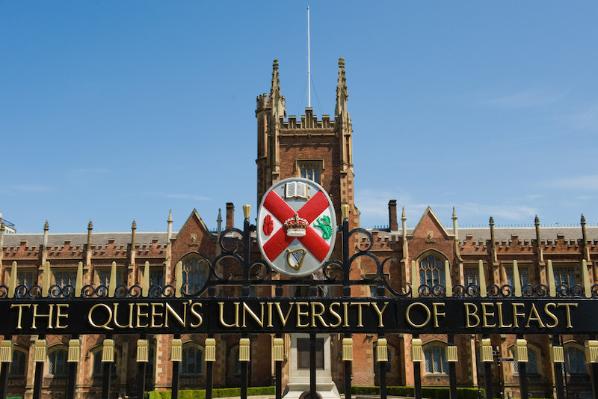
319,149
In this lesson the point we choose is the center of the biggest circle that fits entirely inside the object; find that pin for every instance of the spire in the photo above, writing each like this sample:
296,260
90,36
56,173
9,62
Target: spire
539,250
169,224
219,221
584,238
342,93
455,225
492,246
276,98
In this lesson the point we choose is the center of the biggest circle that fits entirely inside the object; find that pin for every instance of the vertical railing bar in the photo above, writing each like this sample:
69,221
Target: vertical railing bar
278,364
594,375
558,371
106,375
488,380
347,375
175,375
245,292
141,369
4,375
452,371
72,376
210,365
38,378
312,366
382,365
523,383
417,377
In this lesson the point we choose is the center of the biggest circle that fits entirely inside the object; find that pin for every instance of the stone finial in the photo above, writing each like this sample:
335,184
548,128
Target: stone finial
134,225
89,230
536,221
46,228
169,225
276,98
455,225
342,93
491,221
403,214
584,238
219,221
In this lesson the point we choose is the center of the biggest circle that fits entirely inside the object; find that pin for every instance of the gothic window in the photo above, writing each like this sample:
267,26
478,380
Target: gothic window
196,272
470,277
303,353
564,276
431,271
311,170
157,276
18,365
523,276
64,277
532,361
575,362
435,358
192,359
57,366
104,276
26,277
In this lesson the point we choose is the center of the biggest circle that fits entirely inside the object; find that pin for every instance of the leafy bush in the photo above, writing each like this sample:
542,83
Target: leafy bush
427,392
216,393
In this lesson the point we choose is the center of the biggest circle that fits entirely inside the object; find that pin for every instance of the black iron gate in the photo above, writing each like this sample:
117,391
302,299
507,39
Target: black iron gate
149,310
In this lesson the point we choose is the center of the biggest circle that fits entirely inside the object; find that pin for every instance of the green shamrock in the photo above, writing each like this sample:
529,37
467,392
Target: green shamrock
324,225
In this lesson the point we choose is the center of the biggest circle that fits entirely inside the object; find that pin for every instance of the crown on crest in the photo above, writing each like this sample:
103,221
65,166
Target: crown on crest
295,226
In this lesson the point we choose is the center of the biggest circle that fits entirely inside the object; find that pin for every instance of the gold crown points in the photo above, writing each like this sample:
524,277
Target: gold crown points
295,226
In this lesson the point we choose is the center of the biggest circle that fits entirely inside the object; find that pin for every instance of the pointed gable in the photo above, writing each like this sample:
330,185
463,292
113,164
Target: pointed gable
429,227
194,236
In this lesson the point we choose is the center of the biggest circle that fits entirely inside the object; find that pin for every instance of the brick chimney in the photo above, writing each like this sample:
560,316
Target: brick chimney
230,215
393,223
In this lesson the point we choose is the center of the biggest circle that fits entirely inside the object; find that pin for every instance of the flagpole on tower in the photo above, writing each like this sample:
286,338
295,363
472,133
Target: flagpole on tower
308,60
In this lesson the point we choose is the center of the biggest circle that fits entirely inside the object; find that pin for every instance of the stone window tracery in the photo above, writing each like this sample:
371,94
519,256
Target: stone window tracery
431,271
435,358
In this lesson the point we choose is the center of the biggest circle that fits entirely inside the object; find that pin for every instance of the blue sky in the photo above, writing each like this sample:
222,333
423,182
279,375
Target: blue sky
115,110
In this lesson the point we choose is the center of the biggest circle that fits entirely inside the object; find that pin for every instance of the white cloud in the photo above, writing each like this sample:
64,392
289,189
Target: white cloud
525,99
28,188
373,205
586,182
586,118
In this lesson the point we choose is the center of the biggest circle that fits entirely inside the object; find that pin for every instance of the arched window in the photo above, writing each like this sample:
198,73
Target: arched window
575,362
196,272
431,271
57,366
435,357
532,361
192,359
18,365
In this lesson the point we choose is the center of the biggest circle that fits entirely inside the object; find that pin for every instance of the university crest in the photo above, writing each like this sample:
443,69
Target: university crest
296,226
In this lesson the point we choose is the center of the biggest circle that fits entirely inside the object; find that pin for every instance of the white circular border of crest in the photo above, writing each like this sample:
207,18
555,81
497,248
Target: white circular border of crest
259,226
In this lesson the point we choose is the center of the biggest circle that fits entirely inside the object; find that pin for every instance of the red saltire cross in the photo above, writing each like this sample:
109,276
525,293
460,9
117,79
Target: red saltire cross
312,241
